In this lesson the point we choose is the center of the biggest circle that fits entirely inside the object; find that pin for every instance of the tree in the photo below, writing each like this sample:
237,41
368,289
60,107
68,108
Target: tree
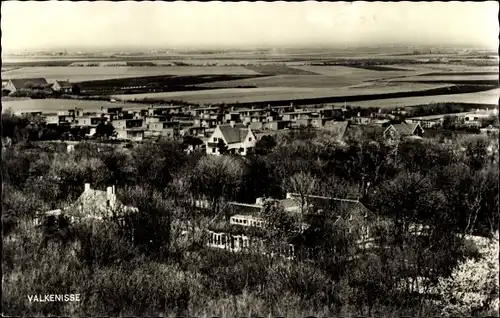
304,184
156,162
280,225
221,145
75,89
265,145
105,130
472,289
216,177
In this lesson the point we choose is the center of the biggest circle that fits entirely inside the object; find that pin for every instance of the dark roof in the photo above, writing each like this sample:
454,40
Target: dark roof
337,127
365,130
234,134
20,83
405,129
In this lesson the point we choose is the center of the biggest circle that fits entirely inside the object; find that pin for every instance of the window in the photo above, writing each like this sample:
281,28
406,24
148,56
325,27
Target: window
215,139
244,221
250,139
223,240
213,150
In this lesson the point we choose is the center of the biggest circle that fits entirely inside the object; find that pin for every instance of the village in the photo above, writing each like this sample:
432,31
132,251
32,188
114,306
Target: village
236,127
311,159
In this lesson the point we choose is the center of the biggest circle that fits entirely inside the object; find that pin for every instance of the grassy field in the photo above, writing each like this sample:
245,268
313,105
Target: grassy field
489,97
78,74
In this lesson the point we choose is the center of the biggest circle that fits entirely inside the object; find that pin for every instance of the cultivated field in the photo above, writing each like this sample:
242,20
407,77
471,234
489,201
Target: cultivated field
275,75
489,97
261,94
451,78
78,74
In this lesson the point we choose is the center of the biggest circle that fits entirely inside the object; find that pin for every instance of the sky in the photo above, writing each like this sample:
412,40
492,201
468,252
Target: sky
30,25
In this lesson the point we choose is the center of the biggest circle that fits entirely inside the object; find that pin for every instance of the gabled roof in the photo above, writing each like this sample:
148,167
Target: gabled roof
63,84
235,134
365,130
96,201
337,127
20,83
405,129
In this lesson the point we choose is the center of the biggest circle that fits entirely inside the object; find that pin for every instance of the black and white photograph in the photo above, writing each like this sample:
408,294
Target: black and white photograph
250,159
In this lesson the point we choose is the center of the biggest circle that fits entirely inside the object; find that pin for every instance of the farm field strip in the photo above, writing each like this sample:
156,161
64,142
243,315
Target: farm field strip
312,81
355,72
244,95
319,81
489,97
450,78
78,74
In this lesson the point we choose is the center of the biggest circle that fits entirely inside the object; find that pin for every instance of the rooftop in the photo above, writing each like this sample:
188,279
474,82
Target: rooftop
234,134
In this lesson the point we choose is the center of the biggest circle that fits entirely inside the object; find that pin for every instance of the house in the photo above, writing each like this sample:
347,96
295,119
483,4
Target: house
14,85
256,125
205,122
127,123
236,137
93,205
62,86
337,128
99,204
298,114
88,121
246,228
164,128
318,122
197,112
278,125
134,134
406,130
432,121
165,110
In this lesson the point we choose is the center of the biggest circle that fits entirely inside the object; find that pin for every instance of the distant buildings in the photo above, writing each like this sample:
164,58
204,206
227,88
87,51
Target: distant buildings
14,85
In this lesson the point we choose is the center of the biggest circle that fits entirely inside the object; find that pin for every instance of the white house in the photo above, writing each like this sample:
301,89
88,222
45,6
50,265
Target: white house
62,86
237,138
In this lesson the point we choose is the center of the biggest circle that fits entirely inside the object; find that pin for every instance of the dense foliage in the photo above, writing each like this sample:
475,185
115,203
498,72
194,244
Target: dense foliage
451,190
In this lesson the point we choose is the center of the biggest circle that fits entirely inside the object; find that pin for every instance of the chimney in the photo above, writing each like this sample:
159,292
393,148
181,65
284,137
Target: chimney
87,187
232,123
289,195
259,201
111,196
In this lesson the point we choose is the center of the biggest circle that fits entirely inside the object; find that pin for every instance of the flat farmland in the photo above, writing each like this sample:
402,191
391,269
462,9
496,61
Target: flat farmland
53,105
263,94
489,97
303,81
315,76
359,74
430,68
451,78
79,74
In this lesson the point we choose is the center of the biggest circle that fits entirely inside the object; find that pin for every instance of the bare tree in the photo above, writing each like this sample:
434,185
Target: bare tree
304,184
